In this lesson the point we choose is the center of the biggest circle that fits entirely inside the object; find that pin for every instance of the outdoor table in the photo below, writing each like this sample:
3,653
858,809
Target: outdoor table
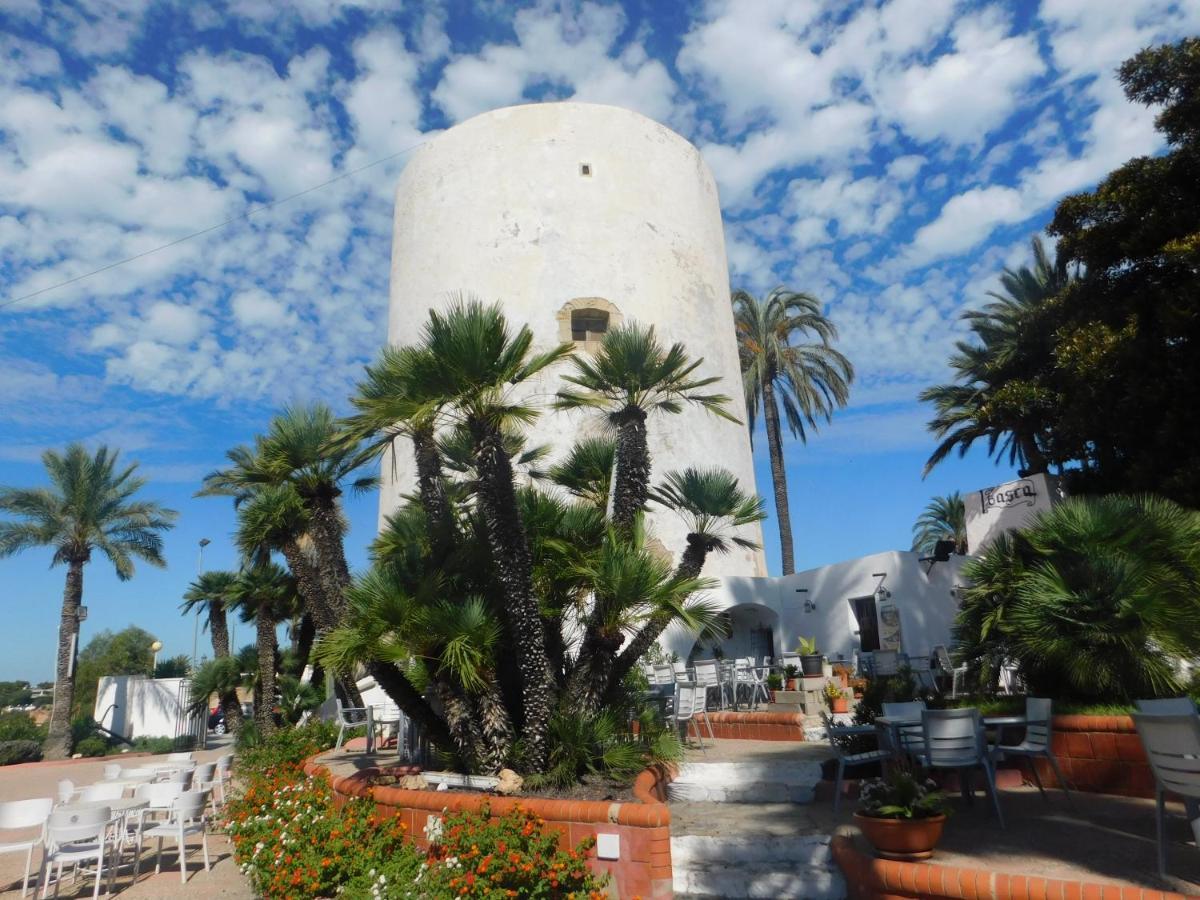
895,724
120,808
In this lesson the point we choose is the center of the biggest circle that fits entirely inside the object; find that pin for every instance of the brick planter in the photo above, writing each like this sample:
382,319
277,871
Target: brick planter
1100,754
751,726
644,827
868,878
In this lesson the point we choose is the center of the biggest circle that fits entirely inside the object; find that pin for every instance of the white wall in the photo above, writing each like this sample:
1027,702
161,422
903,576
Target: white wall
497,206
925,600
994,510
146,707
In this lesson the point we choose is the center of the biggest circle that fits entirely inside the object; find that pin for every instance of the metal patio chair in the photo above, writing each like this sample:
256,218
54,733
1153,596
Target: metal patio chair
954,739
1172,744
1039,714
849,760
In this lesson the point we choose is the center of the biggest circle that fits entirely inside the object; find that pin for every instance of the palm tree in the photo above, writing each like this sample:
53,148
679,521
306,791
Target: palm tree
713,504
212,592
467,366
587,471
944,519
997,394
808,380
265,594
88,507
631,376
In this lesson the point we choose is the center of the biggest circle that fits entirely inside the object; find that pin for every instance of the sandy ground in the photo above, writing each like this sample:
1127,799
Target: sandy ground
41,780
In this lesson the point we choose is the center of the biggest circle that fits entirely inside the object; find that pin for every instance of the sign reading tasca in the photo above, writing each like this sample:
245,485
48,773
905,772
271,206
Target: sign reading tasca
995,510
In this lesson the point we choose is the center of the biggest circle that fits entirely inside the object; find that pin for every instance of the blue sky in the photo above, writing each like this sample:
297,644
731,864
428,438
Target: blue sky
889,157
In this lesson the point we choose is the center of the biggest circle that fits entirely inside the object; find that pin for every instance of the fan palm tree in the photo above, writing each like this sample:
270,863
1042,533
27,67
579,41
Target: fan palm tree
631,376
211,592
467,368
587,471
713,504
944,519
264,594
808,380
997,394
88,507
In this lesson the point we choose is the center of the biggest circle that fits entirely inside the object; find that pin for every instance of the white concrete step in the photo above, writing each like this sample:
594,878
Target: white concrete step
796,867
746,782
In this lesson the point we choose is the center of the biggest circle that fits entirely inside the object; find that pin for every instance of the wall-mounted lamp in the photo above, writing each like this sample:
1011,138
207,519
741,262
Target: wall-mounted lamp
881,593
809,606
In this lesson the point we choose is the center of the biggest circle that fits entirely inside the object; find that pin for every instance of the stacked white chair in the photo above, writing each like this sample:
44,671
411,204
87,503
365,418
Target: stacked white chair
25,815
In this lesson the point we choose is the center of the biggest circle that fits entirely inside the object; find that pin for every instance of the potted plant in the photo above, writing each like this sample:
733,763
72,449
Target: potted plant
810,657
774,683
901,814
789,676
842,673
835,698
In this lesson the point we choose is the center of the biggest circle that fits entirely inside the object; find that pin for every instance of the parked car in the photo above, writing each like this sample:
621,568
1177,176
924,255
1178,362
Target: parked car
216,718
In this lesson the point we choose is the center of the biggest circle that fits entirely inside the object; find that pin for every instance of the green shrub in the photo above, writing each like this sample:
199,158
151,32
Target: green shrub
92,746
13,752
287,747
19,726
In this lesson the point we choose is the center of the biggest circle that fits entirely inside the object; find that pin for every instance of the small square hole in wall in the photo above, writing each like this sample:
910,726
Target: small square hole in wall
585,169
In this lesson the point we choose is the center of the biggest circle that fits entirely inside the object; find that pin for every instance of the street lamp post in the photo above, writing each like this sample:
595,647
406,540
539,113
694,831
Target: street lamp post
204,542
155,647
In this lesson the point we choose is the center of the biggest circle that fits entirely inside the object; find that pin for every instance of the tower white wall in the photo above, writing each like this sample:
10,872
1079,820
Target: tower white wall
499,206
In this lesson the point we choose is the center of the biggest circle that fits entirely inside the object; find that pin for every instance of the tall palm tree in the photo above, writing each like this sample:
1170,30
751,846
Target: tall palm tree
88,507
713,504
264,594
212,593
631,376
809,380
997,395
944,519
587,471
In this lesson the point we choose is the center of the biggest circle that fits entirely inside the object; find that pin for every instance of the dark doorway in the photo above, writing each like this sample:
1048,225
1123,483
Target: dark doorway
868,623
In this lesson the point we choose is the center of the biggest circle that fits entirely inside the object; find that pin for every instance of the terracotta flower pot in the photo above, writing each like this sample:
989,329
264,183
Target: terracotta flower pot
841,705
904,839
793,684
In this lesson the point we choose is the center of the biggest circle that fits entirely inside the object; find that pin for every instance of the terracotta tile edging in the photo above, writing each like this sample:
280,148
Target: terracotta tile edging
868,878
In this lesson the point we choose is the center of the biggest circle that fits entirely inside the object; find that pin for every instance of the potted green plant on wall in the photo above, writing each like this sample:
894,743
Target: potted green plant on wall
789,677
901,814
774,683
810,656
835,698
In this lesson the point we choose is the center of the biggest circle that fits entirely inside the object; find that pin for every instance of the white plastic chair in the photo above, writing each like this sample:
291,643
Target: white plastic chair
186,818
67,791
691,705
1168,706
708,675
75,836
956,673
954,740
745,673
222,779
350,717
112,771
178,776
1172,744
662,673
25,814
1038,718
681,671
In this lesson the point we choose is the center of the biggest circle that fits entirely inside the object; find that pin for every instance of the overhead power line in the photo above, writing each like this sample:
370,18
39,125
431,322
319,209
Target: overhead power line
211,228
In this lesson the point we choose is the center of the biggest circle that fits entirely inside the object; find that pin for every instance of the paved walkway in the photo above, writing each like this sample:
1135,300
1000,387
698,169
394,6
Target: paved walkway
41,780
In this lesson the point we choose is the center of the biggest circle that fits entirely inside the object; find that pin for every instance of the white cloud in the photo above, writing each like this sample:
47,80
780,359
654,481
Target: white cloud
256,309
172,323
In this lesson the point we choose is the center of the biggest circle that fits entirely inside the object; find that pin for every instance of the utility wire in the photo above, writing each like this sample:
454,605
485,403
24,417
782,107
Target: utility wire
211,228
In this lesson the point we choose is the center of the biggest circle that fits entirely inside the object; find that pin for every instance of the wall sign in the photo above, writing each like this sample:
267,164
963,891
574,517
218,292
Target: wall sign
994,510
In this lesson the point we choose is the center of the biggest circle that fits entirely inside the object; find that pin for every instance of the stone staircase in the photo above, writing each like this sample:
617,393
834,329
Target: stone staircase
746,829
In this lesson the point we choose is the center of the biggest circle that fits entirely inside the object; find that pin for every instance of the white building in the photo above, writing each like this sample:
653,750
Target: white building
577,217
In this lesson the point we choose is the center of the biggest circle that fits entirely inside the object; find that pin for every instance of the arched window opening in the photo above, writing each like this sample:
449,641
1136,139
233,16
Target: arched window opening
589,324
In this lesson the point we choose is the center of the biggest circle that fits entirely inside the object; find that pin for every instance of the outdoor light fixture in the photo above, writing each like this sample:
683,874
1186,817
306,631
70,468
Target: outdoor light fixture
881,593
809,606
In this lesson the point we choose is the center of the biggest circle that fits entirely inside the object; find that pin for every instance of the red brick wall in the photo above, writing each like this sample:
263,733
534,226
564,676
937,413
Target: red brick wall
1099,754
644,869
752,726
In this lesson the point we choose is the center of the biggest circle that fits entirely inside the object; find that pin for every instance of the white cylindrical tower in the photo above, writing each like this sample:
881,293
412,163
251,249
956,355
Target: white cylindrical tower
576,217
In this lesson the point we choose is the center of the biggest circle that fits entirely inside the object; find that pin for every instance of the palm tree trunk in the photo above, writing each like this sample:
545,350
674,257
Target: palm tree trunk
514,573
1035,460
631,484
397,686
690,566
495,726
264,694
778,478
593,671
218,629
306,633
464,730
313,592
432,491
58,739
326,532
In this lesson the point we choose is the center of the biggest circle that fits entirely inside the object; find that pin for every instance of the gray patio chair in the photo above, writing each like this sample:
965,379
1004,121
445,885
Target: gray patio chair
911,737
954,740
1168,706
1172,744
848,760
1039,714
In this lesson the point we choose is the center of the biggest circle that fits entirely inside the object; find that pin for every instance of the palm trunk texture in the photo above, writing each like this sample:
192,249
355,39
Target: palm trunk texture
218,629
58,739
264,696
779,479
631,486
514,573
